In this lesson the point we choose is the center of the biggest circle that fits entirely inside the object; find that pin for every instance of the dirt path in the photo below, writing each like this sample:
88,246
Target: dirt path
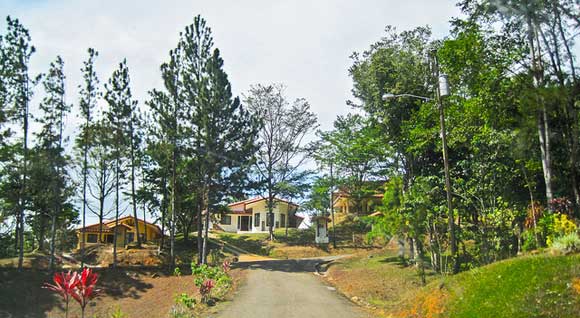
287,288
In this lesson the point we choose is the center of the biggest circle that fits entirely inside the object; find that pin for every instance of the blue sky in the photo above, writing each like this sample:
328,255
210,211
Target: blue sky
304,44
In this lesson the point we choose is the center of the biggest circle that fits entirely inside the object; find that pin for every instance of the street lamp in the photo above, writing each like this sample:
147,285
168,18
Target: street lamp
442,90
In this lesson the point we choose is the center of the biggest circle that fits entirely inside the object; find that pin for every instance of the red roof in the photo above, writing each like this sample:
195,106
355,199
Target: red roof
258,199
108,224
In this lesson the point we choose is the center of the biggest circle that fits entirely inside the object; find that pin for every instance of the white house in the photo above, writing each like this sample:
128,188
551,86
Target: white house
250,216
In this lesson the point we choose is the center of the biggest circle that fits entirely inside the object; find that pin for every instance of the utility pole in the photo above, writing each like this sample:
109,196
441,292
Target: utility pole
442,90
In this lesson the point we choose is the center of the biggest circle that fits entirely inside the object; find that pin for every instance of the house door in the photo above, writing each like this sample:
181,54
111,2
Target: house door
245,223
129,238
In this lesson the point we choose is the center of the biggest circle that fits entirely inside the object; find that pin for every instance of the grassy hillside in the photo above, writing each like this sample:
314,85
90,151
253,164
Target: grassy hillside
533,286
530,286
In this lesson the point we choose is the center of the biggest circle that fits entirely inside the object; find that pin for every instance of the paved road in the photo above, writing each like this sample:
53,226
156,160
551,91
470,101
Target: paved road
287,289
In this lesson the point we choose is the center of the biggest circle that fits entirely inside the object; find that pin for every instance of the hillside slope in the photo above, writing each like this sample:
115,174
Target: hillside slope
531,286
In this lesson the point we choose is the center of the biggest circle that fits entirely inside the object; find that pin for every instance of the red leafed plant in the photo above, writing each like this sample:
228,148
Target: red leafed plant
81,287
85,290
205,290
64,285
226,266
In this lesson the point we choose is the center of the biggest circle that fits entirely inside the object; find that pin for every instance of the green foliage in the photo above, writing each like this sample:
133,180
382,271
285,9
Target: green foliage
177,272
118,313
569,243
185,300
538,286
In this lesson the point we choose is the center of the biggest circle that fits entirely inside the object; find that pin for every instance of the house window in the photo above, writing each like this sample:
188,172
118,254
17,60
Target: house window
226,220
277,225
257,220
91,238
110,238
269,218
283,220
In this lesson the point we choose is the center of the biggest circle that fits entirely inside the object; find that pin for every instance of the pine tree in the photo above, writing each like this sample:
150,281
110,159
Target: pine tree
89,94
51,141
222,131
118,96
17,51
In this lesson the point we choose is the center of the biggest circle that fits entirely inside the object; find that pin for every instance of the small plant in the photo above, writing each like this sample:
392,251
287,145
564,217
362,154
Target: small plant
81,287
177,272
226,266
64,284
205,290
85,289
185,300
569,243
118,313
179,311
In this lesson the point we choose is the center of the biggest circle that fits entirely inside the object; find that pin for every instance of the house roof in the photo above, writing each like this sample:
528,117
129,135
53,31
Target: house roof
258,199
108,225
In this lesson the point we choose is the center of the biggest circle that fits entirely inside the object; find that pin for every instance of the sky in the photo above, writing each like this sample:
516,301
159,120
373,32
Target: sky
304,44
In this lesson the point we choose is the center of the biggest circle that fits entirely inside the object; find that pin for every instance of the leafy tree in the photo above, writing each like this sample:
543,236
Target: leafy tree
358,154
282,153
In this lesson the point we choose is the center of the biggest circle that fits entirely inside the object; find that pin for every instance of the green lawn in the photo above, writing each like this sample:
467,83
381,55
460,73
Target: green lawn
522,287
532,286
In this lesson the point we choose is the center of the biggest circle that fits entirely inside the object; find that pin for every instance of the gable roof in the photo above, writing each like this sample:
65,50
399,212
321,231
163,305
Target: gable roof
239,207
108,225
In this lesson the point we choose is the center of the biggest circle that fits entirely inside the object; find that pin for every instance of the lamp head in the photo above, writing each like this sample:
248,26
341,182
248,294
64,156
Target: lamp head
387,96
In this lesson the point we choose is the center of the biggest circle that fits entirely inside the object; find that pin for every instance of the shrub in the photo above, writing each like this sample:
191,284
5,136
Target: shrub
177,272
205,290
185,300
179,311
569,243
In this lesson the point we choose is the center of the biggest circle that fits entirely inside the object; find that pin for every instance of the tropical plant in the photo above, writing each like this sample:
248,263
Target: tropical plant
569,243
205,290
64,285
185,300
81,287
85,290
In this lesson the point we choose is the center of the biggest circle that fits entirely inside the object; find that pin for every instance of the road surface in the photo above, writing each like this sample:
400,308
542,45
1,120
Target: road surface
287,289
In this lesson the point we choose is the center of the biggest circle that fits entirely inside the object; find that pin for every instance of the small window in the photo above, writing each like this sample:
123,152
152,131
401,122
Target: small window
283,220
110,239
277,224
257,220
226,220
91,238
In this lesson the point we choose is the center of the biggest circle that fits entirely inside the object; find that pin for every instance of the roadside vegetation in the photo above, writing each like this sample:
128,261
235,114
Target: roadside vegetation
527,286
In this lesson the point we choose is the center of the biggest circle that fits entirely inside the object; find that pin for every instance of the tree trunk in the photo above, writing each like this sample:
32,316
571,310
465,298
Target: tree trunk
52,242
23,193
206,232
116,211
133,196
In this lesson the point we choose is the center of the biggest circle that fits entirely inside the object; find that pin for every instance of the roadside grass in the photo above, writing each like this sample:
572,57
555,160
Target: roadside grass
527,286
375,279
136,292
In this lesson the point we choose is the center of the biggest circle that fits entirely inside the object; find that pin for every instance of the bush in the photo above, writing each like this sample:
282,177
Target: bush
569,243
185,300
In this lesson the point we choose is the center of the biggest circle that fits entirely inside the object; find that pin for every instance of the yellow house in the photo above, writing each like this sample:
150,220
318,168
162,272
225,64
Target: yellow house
344,203
125,232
